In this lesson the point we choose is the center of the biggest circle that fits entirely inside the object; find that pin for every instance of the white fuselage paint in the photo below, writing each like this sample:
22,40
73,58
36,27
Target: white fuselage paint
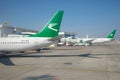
101,40
21,44
96,40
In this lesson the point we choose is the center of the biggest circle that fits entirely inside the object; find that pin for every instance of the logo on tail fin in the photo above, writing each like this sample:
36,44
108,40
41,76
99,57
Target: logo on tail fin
111,35
51,25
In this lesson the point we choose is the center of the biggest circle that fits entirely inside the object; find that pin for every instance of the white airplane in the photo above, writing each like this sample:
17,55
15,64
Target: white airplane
89,41
47,36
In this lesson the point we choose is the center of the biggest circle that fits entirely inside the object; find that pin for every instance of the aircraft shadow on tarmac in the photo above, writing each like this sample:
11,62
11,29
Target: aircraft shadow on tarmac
5,59
38,55
42,77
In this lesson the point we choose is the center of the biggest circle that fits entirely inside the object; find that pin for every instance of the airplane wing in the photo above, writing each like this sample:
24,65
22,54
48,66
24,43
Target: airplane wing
56,38
87,41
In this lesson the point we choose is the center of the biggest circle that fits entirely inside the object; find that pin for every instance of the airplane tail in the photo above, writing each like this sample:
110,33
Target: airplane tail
112,34
52,28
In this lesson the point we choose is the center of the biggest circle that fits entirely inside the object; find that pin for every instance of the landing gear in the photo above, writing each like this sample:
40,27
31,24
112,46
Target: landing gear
3,53
38,50
86,44
22,51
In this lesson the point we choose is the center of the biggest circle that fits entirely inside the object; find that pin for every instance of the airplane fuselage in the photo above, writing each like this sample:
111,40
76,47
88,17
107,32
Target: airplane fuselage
21,44
101,40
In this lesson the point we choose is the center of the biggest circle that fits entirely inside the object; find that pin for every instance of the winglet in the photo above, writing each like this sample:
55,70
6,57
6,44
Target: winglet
52,28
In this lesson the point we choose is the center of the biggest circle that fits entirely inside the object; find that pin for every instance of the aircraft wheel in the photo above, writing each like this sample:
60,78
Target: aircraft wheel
38,50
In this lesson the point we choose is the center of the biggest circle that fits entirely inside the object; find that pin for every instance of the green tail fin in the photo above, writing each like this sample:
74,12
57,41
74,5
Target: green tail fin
52,28
112,34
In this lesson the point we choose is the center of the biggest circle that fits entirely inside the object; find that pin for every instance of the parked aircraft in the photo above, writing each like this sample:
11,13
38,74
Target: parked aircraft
47,36
87,41
90,41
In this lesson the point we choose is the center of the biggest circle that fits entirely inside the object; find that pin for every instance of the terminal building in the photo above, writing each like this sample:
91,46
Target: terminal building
10,31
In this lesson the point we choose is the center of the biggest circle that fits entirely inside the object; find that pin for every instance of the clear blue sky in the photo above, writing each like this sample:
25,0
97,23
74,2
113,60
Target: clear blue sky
94,17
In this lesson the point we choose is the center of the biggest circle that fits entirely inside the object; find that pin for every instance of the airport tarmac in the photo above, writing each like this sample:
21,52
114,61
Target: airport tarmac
63,63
